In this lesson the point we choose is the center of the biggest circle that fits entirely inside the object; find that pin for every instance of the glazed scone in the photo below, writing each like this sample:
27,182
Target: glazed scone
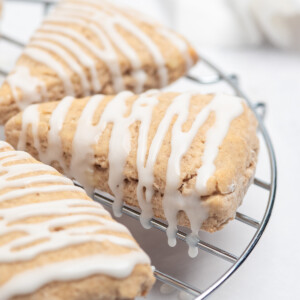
56,243
185,156
87,47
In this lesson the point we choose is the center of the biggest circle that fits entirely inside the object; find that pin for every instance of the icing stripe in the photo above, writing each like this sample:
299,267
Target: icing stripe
107,56
72,64
139,75
44,58
76,50
54,150
119,266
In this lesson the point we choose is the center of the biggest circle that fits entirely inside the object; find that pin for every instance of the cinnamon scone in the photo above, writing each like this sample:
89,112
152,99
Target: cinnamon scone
56,243
187,158
86,47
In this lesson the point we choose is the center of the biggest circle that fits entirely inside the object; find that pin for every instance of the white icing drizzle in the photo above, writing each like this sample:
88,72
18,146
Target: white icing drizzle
61,239
113,113
72,47
11,171
174,38
225,109
31,117
108,56
47,59
28,85
109,21
85,140
72,63
43,237
54,151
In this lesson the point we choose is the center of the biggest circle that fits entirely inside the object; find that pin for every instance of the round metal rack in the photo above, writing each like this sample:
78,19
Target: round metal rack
235,261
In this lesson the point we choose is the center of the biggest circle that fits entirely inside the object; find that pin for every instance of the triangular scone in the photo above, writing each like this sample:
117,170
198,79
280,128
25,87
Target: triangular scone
90,46
56,243
186,154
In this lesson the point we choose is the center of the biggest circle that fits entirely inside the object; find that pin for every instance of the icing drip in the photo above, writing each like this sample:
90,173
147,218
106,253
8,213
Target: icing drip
22,80
81,165
42,237
88,135
145,105
225,109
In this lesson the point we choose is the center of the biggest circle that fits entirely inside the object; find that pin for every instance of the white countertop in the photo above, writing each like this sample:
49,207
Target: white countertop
271,76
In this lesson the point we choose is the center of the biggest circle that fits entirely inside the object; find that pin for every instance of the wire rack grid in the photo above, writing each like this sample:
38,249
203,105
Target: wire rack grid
235,261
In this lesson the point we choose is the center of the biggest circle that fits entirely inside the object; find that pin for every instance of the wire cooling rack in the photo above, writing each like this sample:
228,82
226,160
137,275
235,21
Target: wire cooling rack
259,225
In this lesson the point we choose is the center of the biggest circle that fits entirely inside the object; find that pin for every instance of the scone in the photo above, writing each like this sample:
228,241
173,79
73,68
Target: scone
187,158
56,243
91,46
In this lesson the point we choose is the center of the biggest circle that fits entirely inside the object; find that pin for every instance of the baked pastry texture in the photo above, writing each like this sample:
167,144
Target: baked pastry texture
181,157
56,243
87,47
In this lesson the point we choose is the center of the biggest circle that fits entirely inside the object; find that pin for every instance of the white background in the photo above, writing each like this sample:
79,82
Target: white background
266,74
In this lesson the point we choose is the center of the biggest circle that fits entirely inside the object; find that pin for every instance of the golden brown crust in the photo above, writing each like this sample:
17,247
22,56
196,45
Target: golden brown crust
235,163
94,287
174,61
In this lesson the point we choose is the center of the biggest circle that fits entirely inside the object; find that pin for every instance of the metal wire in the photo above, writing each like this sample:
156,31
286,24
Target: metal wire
259,110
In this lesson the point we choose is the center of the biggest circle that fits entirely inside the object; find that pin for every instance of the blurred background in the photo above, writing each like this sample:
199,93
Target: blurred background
230,23
259,41
225,23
